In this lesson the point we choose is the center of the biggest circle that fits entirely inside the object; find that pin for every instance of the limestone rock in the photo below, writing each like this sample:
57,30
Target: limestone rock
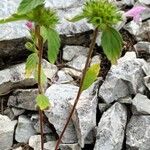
70,146
137,134
110,131
35,142
23,98
60,94
17,111
6,132
70,52
65,9
63,77
140,30
96,60
36,124
72,72
146,2
78,62
14,77
84,117
141,104
24,129
123,79
142,46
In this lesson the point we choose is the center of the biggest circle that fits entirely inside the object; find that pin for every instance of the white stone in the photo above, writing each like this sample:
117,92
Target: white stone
60,94
70,52
137,134
64,77
24,129
146,2
78,62
14,77
110,131
123,79
23,98
66,9
141,104
7,128
84,117
72,72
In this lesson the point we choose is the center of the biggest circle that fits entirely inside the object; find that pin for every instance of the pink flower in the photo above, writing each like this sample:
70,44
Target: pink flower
29,25
135,12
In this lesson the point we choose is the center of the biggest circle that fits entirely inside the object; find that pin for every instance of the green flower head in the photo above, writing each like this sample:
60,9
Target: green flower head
100,13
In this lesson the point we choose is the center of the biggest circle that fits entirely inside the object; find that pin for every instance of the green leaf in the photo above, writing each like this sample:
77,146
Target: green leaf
91,76
77,18
42,102
31,64
112,44
14,17
28,5
30,46
53,43
43,76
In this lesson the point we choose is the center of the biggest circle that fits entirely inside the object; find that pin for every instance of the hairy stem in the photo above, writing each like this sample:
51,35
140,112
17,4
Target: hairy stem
40,91
81,84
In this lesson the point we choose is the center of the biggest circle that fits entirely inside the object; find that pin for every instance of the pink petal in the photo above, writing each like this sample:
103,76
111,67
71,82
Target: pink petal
135,11
29,25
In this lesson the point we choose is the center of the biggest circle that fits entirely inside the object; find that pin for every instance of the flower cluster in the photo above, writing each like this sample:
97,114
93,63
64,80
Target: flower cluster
101,13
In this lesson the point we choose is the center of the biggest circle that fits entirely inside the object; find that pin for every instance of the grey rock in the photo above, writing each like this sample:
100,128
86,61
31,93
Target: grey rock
129,2
70,146
133,27
36,124
142,47
23,98
64,77
103,107
60,94
6,132
18,148
96,60
70,52
8,112
35,142
146,2
14,77
147,81
17,111
78,62
137,134
72,72
65,9
50,70
140,31
141,104
49,144
125,100
110,131
123,79
24,129
84,116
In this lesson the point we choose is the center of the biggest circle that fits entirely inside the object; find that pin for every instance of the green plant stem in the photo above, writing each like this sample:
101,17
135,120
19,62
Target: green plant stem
40,91
81,84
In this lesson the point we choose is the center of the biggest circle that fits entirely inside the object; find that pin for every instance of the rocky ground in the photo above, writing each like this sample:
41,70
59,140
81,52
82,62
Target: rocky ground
113,114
